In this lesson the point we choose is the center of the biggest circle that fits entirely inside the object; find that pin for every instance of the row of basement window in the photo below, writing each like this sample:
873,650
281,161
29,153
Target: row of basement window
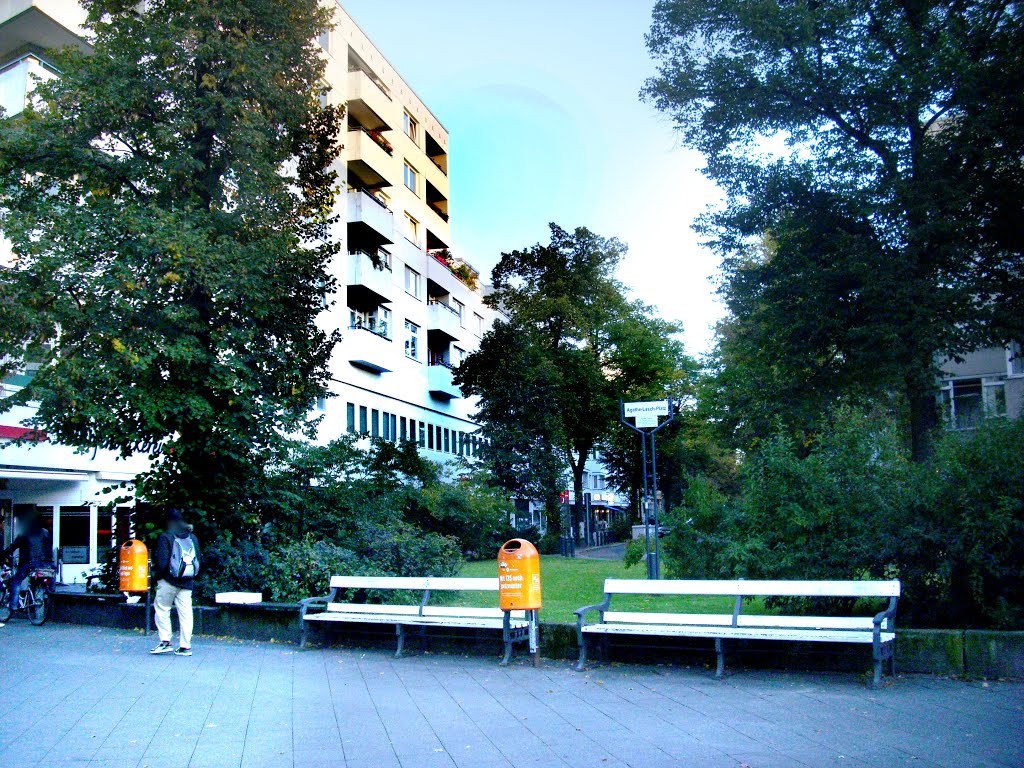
389,426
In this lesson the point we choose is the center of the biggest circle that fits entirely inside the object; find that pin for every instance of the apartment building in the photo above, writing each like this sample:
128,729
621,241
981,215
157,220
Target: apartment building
987,382
409,310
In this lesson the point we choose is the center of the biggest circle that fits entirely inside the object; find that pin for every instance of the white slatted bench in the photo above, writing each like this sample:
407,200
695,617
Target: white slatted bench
878,631
513,625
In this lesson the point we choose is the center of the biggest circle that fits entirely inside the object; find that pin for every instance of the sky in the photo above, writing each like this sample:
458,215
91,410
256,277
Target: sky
541,102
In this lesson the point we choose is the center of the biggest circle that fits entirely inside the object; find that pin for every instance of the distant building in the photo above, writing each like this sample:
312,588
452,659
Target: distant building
409,309
989,382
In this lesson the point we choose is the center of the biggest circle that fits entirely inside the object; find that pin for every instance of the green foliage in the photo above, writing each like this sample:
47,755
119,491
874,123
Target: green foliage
853,505
168,207
550,378
887,210
636,550
621,528
472,511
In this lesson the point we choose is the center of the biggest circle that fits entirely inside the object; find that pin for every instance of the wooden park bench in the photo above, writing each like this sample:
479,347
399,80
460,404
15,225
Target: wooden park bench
337,612
878,631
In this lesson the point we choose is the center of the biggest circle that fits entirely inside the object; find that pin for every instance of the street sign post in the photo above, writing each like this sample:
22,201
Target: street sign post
646,422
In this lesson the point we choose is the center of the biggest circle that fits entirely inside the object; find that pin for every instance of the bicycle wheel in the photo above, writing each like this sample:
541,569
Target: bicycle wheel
36,609
5,607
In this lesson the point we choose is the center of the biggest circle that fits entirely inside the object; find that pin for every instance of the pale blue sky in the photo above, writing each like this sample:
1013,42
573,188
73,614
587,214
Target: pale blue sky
540,98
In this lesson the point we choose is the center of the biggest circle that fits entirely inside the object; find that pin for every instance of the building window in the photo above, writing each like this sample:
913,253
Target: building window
404,427
321,404
478,324
412,340
412,282
350,416
411,178
393,426
362,420
459,307
430,439
423,434
458,356
375,423
413,228
437,437
967,402
325,40
411,128
447,446
386,419
14,87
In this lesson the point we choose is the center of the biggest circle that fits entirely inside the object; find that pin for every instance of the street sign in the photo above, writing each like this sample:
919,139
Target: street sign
648,411
646,420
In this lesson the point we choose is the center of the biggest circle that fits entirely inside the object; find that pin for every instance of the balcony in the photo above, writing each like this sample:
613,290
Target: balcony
368,161
32,23
370,281
369,102
369,220
439,381
443,320
367,346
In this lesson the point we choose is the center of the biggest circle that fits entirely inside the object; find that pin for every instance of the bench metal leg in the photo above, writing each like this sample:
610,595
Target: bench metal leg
508,653
877,680
302,637
400,631
581,665
720,652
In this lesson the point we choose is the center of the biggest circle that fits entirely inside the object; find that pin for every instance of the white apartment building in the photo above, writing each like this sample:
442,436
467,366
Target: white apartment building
408,309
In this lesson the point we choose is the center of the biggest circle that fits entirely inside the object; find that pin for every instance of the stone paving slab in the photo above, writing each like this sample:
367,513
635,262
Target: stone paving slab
88,697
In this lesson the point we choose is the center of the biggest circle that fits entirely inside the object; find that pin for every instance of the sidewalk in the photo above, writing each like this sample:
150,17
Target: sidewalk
78,697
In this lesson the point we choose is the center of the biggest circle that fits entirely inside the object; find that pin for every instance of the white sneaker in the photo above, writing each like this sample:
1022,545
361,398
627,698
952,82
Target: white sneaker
164,647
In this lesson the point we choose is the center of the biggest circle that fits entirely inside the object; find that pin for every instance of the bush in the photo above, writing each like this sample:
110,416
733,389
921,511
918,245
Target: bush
635,552
621,528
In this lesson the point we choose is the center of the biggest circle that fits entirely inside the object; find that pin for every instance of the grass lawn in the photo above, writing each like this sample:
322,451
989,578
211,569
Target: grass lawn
568,584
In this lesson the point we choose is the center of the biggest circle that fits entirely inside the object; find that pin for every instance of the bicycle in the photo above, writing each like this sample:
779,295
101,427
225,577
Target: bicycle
34,601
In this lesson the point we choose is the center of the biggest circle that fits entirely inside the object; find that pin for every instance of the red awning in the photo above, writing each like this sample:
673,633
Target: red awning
21,433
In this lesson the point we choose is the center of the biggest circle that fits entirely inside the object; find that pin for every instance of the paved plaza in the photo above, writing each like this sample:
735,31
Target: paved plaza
81,696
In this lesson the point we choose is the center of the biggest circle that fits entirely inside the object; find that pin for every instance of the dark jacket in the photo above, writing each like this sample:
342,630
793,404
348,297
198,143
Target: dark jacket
34,548
162,557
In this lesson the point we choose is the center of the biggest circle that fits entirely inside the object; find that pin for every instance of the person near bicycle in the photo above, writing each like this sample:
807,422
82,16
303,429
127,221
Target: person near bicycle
35,550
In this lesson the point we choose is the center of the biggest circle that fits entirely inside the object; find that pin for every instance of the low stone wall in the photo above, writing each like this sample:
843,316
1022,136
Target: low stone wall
954,652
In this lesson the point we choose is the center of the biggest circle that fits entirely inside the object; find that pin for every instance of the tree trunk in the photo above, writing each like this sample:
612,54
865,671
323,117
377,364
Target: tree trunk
924,417
578,507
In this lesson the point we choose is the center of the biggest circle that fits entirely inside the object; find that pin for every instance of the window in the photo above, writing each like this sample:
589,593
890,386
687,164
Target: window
437,437
350,415
1015,359
321,404
459,307
393,426
430,439
412,340
458,356
411,128
478,324
375,423
423,434
404,428
413,227
447,445
412,282
14,87
325,40
967,401
362,420
411,178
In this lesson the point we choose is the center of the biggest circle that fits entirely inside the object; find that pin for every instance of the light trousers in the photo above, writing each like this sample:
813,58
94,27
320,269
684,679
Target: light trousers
168,595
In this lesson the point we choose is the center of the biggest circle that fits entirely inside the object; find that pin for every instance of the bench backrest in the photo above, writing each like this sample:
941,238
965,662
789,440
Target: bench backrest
416,583
744,588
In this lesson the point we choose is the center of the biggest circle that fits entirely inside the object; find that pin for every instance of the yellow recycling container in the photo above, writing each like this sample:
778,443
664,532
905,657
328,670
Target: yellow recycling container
519,576
133,559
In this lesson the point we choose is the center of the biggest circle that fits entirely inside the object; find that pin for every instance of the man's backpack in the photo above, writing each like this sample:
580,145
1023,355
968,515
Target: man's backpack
184,558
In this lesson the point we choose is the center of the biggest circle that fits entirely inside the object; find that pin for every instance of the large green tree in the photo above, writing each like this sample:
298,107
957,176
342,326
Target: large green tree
550,377
901,124
169,201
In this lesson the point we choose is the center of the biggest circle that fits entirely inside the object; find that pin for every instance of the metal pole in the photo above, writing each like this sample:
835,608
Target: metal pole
657,539
644,510
534,637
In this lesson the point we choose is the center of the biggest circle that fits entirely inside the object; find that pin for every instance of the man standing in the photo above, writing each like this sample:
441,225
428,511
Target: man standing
35,550
175,566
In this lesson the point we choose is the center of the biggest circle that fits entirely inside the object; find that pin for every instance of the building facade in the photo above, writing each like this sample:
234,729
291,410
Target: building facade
987,382
409,310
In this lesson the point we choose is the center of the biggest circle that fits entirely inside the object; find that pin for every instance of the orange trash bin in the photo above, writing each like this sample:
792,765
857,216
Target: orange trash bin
519,576
133,559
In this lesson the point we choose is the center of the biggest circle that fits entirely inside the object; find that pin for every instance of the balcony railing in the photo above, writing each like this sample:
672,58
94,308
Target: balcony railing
373,79
439,212
438,303
381,260
376,327
442,170
377,139
442,362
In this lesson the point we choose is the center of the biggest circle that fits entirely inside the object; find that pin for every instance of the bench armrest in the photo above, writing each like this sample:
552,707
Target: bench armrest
581,613
888,613
304,605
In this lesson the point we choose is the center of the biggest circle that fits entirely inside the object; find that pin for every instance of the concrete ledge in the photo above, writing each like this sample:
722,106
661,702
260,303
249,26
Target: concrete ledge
932,651
994,654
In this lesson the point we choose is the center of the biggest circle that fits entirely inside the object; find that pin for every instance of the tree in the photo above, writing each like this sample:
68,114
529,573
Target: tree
550,378
169,204
902,120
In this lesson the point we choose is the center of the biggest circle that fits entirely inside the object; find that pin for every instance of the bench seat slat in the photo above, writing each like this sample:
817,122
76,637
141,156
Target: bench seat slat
754,588
416,583
468,622
372,608
739,633
745,620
